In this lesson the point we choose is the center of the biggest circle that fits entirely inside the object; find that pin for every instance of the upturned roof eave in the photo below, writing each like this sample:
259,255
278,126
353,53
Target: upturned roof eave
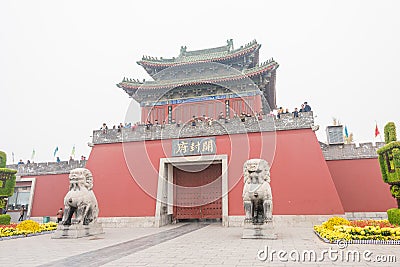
256,71
173,62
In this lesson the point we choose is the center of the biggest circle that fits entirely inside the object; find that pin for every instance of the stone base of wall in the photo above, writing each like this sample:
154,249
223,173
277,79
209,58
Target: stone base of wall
233,221
287,220
310,220
366,215
114,222
236,221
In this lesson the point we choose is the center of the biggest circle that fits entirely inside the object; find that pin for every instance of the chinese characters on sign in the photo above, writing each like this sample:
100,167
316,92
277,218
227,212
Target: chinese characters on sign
194,146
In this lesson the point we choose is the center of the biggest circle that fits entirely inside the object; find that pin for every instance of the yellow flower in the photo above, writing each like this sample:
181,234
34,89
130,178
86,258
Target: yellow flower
29,225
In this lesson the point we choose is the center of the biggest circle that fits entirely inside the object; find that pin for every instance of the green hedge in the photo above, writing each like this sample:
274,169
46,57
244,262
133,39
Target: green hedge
3,203
7,171
3,159
396,157
388,147
382,164
395,190
8,189
393,151
5,219
390,132
394,216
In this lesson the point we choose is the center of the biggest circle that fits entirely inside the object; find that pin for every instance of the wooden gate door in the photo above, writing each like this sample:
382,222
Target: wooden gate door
198,194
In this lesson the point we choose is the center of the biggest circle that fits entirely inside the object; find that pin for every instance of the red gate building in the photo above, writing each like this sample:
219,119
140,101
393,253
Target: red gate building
204,114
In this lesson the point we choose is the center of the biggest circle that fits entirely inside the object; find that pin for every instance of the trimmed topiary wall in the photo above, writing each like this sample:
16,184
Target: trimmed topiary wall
3,159
7,181
394,216
389,161
5,219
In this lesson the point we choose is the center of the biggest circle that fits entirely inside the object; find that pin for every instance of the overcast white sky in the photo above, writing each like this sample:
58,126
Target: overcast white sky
60,61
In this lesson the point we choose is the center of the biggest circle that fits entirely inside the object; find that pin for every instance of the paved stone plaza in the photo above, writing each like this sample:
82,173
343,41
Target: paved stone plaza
194,244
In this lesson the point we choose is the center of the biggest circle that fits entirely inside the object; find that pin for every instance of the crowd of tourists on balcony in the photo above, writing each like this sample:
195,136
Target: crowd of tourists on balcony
58,160
121,126
205,120
304,108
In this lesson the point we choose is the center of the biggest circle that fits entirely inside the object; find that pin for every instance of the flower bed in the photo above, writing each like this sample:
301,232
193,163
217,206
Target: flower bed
25,228
360,231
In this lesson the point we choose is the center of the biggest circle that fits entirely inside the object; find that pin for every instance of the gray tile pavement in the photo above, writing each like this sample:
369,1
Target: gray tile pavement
177,245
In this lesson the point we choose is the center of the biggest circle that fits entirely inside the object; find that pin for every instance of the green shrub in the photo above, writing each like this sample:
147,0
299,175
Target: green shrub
396,157
7,190
5,219
3,159
384,171
394,216
390,132
3,203
390,152
395,190
389,147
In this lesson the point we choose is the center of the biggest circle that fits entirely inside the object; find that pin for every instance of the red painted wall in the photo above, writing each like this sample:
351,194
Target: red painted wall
301,181
125,177
117,193
49,194
360,185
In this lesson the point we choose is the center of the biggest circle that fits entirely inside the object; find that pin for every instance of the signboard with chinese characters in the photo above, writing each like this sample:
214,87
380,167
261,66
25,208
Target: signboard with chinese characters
194,146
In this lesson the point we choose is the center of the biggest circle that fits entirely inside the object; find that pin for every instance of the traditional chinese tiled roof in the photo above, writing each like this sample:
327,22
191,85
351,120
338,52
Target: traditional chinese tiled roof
133,85
217,54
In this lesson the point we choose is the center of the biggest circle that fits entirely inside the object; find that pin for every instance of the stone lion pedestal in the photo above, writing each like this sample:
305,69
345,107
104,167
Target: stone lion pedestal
77,230
264,231
81,202
257,201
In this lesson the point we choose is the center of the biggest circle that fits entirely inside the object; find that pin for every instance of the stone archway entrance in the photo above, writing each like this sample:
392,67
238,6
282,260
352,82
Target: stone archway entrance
201,194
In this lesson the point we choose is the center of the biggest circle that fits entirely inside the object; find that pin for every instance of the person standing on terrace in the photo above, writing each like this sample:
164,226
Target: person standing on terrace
307,107
295,113
104,128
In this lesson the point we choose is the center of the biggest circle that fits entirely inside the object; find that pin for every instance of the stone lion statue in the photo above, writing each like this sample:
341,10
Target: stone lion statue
257,195
80,199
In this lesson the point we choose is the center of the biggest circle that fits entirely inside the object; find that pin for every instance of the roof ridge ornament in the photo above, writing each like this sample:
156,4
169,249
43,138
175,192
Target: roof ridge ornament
230,44
183,50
